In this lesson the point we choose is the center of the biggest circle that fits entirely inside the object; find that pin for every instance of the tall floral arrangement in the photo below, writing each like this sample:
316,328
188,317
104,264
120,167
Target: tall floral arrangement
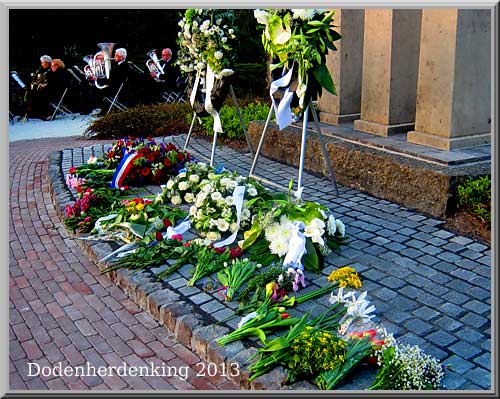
206,38
300,38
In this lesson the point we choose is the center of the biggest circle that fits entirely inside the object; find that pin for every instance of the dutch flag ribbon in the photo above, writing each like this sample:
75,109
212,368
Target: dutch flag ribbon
123,169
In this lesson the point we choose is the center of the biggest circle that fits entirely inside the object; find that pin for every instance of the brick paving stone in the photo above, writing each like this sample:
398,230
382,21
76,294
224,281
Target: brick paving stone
484,361
441,338
464,349
458,364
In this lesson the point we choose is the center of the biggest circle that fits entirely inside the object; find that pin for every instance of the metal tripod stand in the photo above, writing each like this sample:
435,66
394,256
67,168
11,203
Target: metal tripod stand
212,155
302,150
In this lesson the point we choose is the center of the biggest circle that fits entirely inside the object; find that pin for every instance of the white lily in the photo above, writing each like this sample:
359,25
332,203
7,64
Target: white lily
359,308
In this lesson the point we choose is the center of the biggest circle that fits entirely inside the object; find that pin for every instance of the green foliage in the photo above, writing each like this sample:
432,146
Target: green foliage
142,121
475,196
231,122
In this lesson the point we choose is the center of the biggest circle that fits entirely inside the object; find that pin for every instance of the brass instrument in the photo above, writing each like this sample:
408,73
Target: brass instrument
38,80
154,65
95,69
107,50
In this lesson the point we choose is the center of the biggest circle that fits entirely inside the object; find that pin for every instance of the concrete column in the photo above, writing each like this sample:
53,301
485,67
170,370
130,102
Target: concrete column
390,71
454,82
345,66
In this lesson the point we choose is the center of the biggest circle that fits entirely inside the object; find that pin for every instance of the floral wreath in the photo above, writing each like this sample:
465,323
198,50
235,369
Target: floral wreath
300,38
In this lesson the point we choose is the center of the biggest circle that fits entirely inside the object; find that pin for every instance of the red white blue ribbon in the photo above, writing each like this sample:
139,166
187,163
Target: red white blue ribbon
123,169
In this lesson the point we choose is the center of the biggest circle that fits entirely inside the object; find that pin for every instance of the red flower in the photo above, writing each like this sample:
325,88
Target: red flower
177,237
235,252
167,162
220,250
72,170
167,222
372,360
285,315
158,236
79,189
187,244
180,157
146,171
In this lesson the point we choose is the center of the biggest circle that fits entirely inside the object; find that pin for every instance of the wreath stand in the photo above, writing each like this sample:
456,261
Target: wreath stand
302,151
212,155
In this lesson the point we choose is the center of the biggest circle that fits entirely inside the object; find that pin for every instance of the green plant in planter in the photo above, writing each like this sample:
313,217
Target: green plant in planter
475,196
231,121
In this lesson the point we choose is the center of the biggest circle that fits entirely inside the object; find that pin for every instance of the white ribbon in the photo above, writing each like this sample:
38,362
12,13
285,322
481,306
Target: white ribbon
284,115
195,89
296,245
210,80
118,251
181,228
238,197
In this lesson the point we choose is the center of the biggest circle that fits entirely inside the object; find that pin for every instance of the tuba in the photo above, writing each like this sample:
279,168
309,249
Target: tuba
153,64
107,50
95,68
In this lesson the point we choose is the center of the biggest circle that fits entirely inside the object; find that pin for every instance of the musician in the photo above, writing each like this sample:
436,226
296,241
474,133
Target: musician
57,80
37,97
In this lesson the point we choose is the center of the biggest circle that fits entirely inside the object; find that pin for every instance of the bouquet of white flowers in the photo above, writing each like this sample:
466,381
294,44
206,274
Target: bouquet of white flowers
184,187
283,225
214,212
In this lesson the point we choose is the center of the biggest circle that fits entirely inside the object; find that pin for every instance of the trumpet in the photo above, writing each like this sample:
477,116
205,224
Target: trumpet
154,65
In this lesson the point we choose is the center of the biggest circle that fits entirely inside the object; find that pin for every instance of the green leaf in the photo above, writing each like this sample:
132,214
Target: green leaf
276,344
135,228
315,23
324,78
252,236
310,260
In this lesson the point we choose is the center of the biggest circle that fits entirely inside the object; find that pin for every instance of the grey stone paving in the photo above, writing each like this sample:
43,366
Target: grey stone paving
430,286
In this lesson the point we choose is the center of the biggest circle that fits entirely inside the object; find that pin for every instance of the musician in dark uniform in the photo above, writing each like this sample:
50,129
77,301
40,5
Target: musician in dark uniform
119,74
168,80
37,96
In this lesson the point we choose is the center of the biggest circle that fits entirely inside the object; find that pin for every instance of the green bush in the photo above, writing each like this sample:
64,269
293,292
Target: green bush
142,121
231,122
475,197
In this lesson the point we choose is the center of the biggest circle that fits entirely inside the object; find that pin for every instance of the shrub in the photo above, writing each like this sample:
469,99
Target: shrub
475,197
231,122
144,120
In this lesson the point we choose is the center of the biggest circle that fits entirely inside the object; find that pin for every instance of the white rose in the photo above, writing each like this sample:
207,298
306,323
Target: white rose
222,224
194,178
192,210
216,196
189,197
183,186
218,55
176,200
213,235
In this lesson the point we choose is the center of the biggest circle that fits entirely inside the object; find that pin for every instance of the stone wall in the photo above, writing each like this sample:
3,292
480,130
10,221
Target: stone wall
412,183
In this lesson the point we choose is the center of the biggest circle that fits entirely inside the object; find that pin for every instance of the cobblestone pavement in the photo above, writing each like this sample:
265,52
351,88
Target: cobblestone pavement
430,286
61,310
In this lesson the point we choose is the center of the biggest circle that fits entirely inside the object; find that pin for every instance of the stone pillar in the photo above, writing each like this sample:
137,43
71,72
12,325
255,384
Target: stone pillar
345,66
390,71
454,82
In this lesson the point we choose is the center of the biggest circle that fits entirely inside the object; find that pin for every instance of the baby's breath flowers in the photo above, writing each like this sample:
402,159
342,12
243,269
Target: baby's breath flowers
406,367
